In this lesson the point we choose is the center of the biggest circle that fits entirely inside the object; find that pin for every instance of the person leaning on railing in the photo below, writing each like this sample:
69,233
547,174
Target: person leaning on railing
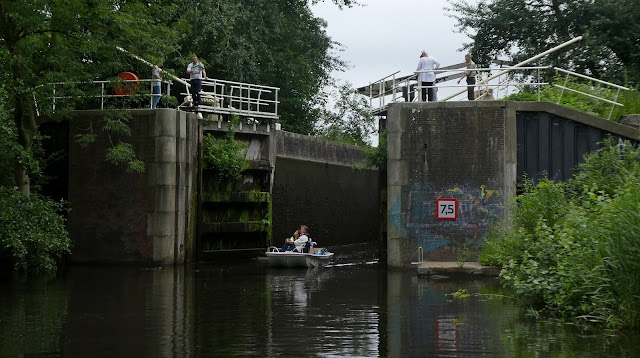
470,74
156,75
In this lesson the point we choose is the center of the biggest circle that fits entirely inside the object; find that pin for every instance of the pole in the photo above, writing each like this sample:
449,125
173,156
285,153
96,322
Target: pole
554,49
151,65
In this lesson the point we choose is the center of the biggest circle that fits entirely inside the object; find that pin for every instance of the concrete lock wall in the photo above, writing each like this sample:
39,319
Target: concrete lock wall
315,185
463,151
133,217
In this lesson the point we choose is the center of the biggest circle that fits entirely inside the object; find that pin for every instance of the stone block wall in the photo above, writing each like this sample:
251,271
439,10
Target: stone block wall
134,217
462,150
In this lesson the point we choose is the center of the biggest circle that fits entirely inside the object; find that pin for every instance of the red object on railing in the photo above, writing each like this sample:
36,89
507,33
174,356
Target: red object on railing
128,86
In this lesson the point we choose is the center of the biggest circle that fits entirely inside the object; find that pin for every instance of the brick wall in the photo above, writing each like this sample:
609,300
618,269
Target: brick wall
132,217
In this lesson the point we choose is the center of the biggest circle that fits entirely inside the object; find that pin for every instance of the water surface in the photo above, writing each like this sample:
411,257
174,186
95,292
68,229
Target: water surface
356,308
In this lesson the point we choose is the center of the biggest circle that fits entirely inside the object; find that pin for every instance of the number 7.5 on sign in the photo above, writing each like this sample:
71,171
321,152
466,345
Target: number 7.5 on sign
447,209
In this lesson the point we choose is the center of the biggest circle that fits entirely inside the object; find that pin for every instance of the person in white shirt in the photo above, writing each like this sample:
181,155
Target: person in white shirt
196,73
157,80
428,77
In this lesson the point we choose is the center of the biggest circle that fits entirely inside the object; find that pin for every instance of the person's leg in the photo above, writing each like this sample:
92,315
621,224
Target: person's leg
196,85
288,247
156,97
471,81
432,93
424,91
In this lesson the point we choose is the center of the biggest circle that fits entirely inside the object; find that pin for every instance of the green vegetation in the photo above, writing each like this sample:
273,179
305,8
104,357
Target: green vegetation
572,248
461,294
350,121
629,99
609,50
33,235
226,156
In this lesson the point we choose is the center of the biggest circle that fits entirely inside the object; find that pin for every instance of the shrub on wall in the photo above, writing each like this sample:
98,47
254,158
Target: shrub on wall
33,235
226,156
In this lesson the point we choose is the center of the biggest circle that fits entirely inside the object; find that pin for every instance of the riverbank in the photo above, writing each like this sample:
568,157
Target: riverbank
572,249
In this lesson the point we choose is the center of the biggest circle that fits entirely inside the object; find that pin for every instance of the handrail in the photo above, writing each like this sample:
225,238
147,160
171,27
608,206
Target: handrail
485,69
250,98
590,78
589,95
383,78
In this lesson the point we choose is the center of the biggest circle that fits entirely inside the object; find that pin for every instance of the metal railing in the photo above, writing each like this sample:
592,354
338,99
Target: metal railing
106,89
228,97
571,73
410,87
486,84
219,96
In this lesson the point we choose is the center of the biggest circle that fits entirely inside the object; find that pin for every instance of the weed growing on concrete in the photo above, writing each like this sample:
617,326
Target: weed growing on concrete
226,156
462,255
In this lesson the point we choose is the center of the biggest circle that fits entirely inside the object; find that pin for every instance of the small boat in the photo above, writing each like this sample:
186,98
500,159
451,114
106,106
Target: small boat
315,258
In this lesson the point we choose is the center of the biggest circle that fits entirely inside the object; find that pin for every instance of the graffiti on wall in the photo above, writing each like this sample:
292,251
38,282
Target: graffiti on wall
478,206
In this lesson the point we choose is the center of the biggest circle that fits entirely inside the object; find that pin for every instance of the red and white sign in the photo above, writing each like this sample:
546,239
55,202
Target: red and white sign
447,209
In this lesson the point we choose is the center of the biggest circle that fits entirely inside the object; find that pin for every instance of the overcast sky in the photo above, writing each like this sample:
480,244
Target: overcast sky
385,36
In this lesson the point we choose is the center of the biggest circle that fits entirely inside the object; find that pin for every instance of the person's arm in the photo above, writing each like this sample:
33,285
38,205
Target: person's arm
189,69
301,240
204,72
464,74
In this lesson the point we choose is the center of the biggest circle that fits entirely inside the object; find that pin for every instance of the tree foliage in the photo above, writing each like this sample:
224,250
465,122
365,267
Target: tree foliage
350,121
276,43
72,41
522,29
33,235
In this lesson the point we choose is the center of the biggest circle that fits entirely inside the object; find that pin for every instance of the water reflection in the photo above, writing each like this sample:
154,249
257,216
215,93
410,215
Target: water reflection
250,310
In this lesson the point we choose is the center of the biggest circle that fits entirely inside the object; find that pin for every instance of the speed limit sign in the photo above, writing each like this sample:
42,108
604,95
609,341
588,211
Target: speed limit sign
447,209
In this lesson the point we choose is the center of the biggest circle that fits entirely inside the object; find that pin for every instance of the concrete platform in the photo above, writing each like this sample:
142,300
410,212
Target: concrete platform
451,268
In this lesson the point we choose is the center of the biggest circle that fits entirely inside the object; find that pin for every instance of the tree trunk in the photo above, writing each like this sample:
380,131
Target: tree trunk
25,119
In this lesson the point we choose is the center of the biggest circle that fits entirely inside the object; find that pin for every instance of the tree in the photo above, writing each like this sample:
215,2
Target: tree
271,42
350,121
522,29
72,41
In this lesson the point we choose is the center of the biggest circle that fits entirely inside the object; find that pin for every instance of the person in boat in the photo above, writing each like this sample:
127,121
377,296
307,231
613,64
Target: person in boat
298,241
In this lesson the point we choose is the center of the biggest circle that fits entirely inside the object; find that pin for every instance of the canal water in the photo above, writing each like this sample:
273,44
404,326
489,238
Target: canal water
353,308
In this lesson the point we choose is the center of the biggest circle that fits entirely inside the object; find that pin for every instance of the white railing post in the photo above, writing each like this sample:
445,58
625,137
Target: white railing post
54,98
394,87
613,105
102,96
538,85
277,102
562,90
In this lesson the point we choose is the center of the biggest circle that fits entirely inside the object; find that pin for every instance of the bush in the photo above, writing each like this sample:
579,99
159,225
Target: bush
32,231
573,249
227,156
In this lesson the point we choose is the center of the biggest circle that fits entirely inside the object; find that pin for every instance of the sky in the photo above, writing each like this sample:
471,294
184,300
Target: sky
385,36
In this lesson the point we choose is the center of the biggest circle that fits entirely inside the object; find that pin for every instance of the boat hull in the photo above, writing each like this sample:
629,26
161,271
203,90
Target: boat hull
296,259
